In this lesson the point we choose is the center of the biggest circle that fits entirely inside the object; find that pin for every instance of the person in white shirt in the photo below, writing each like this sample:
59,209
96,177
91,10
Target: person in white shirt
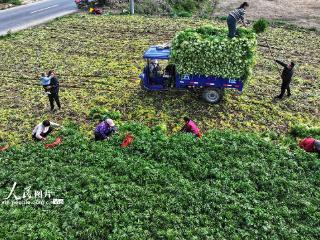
42,130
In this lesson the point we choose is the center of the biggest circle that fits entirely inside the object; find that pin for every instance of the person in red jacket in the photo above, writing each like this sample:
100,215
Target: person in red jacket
310,145
190,127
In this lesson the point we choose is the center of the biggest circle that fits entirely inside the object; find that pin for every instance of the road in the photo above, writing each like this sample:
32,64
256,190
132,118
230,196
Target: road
25,16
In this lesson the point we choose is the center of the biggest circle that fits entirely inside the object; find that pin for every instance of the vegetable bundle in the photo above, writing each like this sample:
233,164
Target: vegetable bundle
208,51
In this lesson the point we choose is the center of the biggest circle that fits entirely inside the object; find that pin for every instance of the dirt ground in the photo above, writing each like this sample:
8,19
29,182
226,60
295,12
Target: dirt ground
5,6
29,1
304,13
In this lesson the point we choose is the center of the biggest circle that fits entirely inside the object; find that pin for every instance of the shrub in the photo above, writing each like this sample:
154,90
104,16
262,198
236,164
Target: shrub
186,8
99,113
206,9
183,14
15,2
260,26
222,18
303,131
181,8
184,5
152,7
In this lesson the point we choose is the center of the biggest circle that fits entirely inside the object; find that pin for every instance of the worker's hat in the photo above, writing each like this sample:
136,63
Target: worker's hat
110,122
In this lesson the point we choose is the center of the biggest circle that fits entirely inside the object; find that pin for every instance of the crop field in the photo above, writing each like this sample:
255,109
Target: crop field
233,183
98,60
224,186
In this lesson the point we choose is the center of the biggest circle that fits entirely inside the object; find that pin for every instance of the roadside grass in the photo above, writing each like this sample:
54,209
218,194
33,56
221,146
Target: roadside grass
14,2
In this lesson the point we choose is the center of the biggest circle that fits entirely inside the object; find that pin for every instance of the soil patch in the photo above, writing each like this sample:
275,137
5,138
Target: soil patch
303,13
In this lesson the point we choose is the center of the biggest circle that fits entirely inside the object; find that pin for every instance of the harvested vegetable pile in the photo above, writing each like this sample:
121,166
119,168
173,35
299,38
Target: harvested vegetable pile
208,51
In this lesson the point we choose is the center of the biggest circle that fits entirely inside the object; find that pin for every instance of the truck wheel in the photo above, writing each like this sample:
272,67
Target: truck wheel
212,95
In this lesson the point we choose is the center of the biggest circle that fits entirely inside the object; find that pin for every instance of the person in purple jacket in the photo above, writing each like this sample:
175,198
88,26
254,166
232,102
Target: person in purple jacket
104,130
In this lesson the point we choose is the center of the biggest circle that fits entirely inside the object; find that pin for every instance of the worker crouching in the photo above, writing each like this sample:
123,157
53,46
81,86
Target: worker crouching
190,127
104,130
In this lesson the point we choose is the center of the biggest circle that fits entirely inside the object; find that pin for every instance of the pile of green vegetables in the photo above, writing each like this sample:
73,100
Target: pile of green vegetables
209,51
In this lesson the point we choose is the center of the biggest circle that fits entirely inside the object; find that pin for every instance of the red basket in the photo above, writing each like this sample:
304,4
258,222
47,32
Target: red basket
54,144
127,141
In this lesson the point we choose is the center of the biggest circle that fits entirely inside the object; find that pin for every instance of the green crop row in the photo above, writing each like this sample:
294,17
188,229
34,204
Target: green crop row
224,186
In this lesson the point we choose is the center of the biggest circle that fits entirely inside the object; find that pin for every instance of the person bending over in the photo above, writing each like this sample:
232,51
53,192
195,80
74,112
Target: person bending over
104,130
190,127
310,145
42,130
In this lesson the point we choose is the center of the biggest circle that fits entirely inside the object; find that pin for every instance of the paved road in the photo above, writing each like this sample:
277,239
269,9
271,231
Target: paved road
29,15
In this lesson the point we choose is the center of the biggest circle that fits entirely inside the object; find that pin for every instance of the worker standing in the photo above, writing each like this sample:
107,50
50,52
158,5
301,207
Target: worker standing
237,15
54,90
286,76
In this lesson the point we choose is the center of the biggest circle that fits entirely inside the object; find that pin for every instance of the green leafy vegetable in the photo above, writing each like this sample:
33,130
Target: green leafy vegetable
208,51
226,185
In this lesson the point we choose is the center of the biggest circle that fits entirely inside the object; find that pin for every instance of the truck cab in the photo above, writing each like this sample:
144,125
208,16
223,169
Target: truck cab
159,74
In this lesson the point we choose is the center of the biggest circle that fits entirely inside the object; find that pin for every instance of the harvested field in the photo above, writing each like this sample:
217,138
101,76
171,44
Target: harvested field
98,60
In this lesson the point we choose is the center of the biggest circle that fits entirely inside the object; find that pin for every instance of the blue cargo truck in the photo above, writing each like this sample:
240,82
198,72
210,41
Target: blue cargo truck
210,87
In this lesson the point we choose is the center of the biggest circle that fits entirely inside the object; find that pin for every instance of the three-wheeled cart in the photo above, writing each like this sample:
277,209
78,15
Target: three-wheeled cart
210,87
